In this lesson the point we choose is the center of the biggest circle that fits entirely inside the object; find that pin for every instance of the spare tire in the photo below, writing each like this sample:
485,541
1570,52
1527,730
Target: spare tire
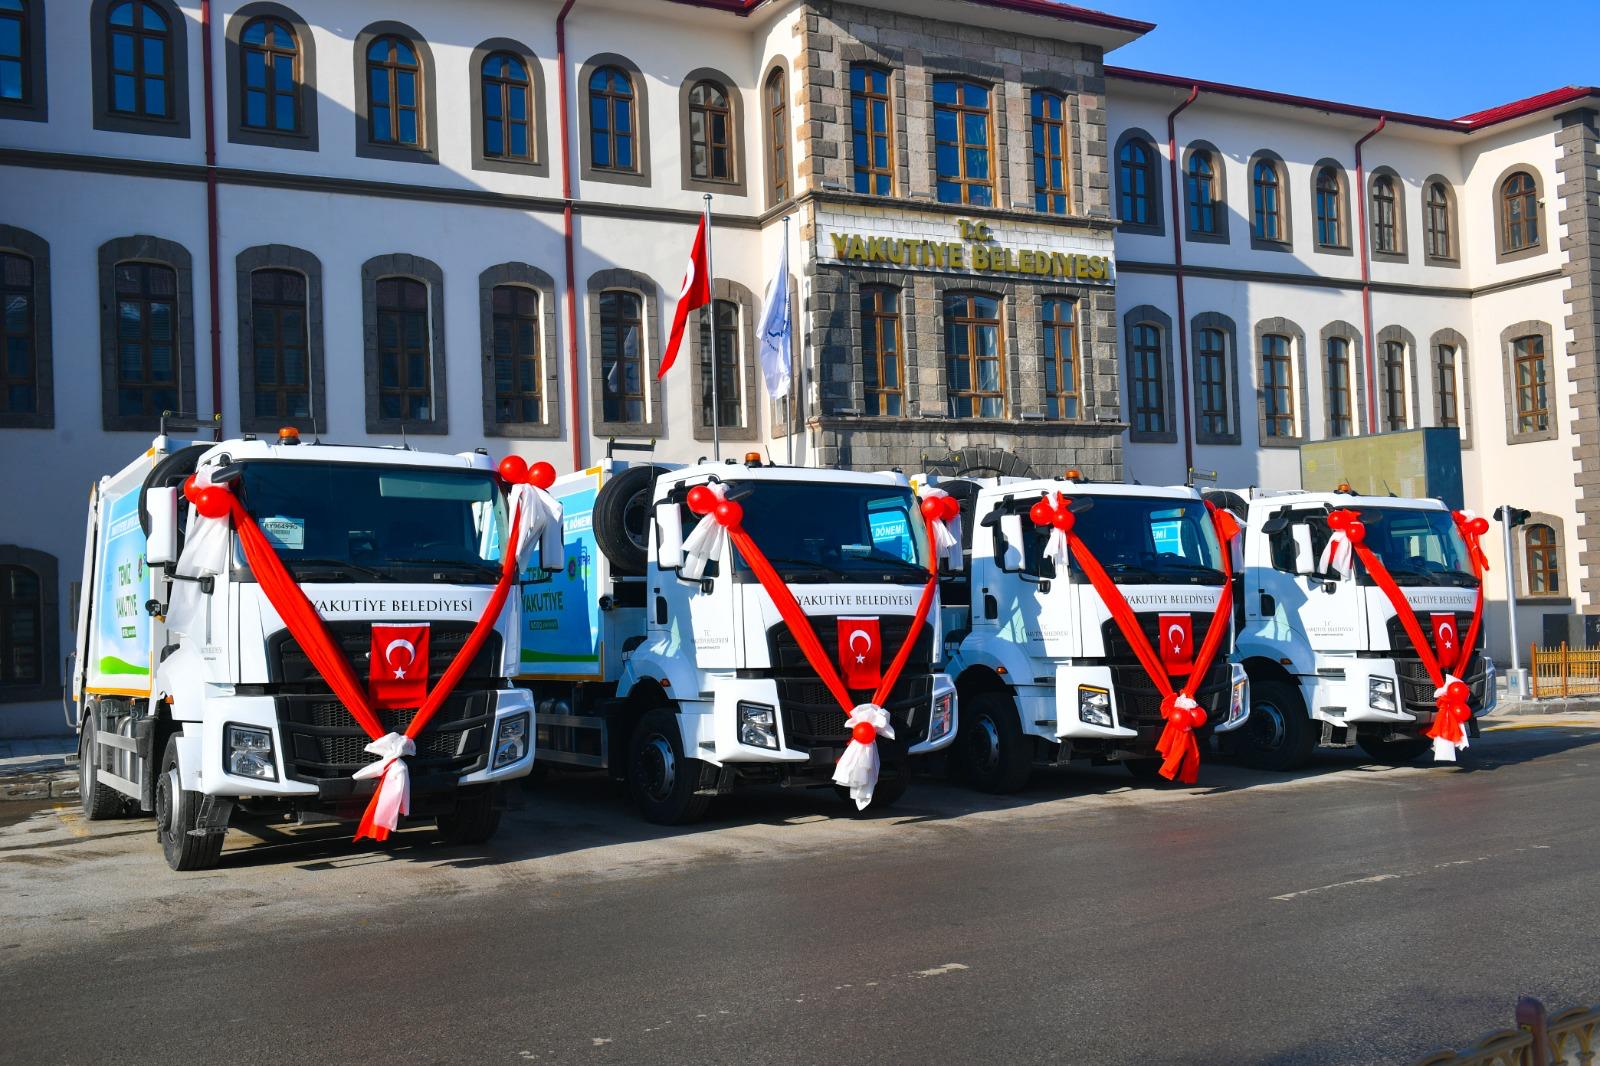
622,518
170,471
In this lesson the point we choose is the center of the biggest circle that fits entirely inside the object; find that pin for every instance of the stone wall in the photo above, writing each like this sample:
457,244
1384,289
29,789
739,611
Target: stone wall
1579,190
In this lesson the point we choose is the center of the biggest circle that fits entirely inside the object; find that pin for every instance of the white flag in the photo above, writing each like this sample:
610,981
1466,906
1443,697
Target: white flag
775,327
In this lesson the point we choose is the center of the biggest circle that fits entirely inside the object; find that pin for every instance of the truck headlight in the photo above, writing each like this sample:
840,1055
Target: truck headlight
1239,706
1094,706
757,724
247,752
510,740
944,715
1380,694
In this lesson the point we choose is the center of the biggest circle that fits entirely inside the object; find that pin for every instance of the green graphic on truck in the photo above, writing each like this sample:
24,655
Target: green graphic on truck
122,633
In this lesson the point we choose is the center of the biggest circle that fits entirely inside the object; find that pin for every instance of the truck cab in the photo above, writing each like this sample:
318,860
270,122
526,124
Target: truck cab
193,696
1328,658
685,687
1044,673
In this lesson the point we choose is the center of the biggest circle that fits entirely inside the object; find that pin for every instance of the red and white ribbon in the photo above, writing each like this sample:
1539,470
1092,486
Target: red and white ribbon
394,782
1450,715
708,538
541,524
944,514
857,769
1056,513
1338,556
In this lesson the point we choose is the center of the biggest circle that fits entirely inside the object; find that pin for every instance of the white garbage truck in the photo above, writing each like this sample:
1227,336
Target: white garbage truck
680,675
1329,657
193,696
1045,671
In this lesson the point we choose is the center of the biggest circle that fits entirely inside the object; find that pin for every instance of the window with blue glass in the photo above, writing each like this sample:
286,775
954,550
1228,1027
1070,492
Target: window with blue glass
871,130
1136,183
611,125
15,80
506,108
270,76
139,40
1200,184
961,142
394,89
1049,153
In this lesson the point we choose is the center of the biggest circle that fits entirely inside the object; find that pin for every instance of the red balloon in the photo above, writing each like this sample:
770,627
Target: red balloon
931,508
729,513
1197,717
1457,692
1463,712
1064,521
541,475
949,507
189,488
514,469
1356,531
1478,526
863,732
1041,513
701,499
213,501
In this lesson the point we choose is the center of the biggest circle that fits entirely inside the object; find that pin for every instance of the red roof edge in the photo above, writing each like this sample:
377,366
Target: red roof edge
1048,8
1465,124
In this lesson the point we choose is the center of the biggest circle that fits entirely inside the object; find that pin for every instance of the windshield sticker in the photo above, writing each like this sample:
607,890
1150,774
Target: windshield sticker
288,534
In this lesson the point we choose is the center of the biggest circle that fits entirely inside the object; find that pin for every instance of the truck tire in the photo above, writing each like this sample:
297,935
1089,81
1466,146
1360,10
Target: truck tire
661,780
1279,734
622,519
476,817
177,812
1394,752
99,801
991,753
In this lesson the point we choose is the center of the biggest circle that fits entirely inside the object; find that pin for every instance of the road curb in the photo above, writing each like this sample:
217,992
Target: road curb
30,788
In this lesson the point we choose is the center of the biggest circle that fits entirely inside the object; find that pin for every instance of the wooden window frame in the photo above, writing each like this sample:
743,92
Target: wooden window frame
144,389
878,320
519,395
392,70
612,99
9,604
1151,384
1437,233
775,107
1532,416
1341,387
1542,562
404,388
1277,386
1446,385
725,362
708,112
1392,387
965,184
1145,171
1061,361
967,319
1386,208
24,58
1048,197
281,391
271,52
867,177
501,88
29,334
1214,418
1193,184
139,33
1519,213
1266,202
615,324
1328,209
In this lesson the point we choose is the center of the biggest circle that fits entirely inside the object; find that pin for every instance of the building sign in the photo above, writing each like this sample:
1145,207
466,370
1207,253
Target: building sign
977,251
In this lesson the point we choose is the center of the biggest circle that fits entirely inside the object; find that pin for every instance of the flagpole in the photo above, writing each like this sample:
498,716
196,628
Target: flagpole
788,401
711,331
805,346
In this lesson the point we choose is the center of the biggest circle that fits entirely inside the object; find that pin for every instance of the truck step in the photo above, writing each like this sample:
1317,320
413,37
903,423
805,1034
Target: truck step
1337,736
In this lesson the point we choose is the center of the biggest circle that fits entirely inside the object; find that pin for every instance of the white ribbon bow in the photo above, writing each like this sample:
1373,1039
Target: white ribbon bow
541,523
705,542
394,786
1338,556
858,766
1057,549
946,533
205,554
1445,750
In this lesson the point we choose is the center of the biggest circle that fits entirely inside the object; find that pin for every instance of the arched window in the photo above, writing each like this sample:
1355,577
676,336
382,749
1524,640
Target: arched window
724,364
518,365
1049,152
872,130
882,369
139,45
1385,215
269,76
22,630
1136,182
1277,387
776,95
1149,389
1519,212
19,336
961,142
1200,184
280,344
1445,384
1437,229
16,76
622,369
394,92
1211,381
1063,386
710,133
405,351
1543,560
1330,209
973,354
1530,373
611,129
1267,185
147,352
1339,391
507,108
1393,369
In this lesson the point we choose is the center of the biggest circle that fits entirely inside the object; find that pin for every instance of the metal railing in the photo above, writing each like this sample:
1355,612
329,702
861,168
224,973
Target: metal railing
1566,1038
1563,671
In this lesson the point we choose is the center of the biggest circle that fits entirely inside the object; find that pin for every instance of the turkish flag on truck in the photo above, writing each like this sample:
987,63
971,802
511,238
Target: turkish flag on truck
1177,643
860,653
1446,638
399,673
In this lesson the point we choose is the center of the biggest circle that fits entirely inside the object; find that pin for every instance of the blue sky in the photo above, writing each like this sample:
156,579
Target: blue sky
1434,57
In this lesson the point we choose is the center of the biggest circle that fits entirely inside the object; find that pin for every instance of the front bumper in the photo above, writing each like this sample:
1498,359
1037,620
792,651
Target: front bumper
1340,691
1056,712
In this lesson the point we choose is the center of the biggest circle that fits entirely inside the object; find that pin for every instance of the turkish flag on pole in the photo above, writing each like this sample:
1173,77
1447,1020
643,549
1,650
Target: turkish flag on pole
696,292
1177,643
1446,638
399,674
860,653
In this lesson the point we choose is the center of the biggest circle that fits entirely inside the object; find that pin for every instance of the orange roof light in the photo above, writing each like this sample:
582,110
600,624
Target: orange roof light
1344,486
1074,474
752,458
288,435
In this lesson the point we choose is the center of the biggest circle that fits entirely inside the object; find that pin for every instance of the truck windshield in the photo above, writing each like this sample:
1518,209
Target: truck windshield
833,532
1140,541
361,522
1418,547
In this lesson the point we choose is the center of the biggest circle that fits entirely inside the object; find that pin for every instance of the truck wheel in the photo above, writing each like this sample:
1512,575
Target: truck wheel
992,754
475,820
661,780
1394,752
622,519
1279,734
177,812
99,801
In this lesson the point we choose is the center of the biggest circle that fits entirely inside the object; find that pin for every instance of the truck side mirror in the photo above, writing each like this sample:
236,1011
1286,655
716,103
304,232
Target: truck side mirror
1305,556
1008,543
161,546
669,536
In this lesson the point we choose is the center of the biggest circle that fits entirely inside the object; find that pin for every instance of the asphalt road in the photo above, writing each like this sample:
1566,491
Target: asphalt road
1348,914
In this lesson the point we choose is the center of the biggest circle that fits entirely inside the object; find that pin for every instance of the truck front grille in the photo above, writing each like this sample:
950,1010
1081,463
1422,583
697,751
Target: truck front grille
1139,701
1416,687
813,718
321,741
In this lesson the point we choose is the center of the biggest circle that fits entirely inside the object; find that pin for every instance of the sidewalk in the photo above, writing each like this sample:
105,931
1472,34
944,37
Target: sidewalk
39,769
1509,706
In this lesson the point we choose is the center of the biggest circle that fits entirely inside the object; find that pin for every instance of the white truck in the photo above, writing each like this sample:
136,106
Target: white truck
193,697
1044,673
685,687
1328,658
